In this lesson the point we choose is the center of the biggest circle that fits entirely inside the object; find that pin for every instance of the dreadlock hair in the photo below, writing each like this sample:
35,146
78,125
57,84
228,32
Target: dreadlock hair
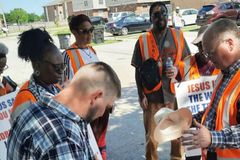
76,21
34,43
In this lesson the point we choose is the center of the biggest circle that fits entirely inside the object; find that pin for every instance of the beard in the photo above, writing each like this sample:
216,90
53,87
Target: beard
161,23
92,114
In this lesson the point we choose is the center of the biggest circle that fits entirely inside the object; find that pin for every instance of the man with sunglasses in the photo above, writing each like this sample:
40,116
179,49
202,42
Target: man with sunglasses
160,43
79,54
197,65
219,131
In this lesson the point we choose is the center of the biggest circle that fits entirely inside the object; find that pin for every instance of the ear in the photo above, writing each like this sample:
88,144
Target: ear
95,96
36,65
74,32
231,44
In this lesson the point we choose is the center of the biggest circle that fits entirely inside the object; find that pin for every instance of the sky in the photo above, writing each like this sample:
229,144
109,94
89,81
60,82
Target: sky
30,6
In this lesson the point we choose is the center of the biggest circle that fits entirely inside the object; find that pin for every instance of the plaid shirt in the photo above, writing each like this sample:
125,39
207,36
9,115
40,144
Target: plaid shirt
49,130
227,137
38,90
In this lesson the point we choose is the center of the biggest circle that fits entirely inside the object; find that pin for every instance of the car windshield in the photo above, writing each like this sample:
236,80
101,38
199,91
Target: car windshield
205,9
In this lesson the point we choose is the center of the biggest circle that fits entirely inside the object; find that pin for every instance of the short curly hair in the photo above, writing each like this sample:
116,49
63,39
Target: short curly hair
76,21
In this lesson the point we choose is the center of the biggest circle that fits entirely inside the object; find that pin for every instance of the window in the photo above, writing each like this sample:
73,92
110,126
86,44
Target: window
85,3
237,5
129,20
100,1
140,19
193,11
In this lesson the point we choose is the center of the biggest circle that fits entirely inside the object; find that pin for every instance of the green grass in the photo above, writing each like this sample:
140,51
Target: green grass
190,28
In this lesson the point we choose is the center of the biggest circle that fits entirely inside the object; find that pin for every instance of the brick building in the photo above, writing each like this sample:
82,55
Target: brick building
61,9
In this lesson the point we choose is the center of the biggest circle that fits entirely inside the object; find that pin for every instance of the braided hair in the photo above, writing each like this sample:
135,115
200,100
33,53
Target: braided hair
34,43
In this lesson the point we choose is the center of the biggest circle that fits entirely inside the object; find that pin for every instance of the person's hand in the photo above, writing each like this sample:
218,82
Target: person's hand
200,138
171,72
144,103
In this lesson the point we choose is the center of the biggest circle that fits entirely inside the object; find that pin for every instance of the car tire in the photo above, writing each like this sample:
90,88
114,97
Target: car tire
124,31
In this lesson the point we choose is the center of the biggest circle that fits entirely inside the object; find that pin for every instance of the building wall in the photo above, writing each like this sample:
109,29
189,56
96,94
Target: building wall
70,8
191,3
51,13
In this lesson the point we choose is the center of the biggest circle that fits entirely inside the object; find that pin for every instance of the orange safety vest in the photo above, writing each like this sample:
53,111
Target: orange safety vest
226,112
149,49
75,57
189,70
25,95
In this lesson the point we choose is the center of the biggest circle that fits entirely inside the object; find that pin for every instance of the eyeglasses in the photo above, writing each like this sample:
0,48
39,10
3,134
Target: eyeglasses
211,54
58,67
86,31
159,14
4,68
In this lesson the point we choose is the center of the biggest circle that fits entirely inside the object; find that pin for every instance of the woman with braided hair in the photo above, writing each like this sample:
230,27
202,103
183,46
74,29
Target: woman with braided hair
36,46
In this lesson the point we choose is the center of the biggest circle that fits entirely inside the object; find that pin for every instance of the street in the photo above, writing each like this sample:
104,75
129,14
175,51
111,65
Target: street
125,137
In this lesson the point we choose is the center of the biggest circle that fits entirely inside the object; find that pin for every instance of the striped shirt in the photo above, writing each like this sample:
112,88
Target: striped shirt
49,130
227,137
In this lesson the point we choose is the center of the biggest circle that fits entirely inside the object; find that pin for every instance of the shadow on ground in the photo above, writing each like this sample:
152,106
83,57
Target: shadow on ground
125,138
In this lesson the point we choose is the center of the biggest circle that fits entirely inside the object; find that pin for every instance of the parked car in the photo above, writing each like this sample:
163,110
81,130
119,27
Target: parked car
210,13
98,20
124,25
145,15
188,16
118,15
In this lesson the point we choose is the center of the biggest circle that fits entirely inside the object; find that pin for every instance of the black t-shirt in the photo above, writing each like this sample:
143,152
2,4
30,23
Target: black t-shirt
167,48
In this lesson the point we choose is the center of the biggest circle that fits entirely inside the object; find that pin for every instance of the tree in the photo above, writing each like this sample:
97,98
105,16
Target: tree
18,15
32,17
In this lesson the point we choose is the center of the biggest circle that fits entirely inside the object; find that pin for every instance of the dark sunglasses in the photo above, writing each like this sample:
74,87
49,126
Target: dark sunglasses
86,31
58,67
159,14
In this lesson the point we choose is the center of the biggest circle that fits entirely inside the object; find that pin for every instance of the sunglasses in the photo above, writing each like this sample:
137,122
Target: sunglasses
58,67
159,14
86,31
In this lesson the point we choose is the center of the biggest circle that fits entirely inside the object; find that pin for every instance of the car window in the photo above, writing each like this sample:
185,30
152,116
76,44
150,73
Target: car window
124,14
193,12
205,9
237,5
129,19
228,6
140,19
186,13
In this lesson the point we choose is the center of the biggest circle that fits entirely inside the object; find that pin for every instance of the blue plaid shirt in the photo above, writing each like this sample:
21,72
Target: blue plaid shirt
49,130
227,137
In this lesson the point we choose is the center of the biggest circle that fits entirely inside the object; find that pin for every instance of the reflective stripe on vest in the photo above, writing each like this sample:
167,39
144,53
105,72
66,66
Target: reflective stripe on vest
226,114
149,49
75,57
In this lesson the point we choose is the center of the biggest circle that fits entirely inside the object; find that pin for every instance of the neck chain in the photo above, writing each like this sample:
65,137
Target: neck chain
87,52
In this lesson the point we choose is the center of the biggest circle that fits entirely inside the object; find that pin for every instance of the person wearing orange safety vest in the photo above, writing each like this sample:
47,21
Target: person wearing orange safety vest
160,43
193,67
76,56
47,65
219,124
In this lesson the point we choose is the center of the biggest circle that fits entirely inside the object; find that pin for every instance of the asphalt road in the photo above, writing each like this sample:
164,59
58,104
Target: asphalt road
125,136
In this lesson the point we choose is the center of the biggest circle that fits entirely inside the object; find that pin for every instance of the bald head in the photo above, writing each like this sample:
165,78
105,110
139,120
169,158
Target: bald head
97,75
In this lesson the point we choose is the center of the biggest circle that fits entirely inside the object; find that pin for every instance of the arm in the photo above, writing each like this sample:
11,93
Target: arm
136,62
228,137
